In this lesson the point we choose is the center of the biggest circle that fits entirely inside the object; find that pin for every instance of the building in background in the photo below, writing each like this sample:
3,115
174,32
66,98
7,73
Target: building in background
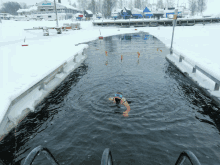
46,10
6,16
147,13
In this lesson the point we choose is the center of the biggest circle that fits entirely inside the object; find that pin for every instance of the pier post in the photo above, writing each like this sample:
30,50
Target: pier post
194,70
174,24
216,87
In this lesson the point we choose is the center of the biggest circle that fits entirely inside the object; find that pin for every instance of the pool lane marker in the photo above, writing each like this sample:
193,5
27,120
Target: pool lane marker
138,54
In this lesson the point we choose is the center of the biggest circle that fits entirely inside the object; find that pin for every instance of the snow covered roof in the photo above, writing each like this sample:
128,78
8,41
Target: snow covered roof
117,10
146,10
33,8
68,6
137,11
89,12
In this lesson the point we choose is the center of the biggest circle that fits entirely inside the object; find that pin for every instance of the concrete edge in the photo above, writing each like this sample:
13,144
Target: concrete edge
21,106
215,99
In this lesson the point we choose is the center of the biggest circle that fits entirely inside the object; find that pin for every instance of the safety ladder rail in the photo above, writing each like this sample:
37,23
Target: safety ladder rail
107,157
187,154
195,67
33,154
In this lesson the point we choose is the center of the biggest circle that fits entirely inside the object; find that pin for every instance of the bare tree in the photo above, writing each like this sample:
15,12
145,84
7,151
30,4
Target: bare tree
23,5
69,2
120,4
83,4
130,5
144,4
74,4
92,6
108,5
169,3
192,6
10,7
137,4
160,4
201,5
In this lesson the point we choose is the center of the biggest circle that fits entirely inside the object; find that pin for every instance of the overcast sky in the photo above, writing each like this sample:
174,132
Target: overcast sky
212,5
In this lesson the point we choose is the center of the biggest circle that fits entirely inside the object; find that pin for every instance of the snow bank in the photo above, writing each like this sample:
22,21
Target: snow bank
23,67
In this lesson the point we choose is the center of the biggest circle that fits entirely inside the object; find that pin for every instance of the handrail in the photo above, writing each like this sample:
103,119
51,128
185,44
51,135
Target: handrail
195,67
107,157
32,155
187,154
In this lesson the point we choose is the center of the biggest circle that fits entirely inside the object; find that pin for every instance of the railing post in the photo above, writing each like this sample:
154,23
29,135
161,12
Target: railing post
174,24
194,70
216,87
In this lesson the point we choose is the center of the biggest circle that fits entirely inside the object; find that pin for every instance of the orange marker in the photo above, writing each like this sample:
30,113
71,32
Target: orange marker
121,57
138,54
157,49
106,53
161,50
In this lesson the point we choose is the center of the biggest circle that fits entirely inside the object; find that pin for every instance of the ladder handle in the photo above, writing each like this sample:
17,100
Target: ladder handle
33,154
187,154
107,157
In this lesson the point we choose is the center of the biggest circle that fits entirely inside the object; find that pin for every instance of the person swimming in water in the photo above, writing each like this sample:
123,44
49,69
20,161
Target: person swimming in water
118,99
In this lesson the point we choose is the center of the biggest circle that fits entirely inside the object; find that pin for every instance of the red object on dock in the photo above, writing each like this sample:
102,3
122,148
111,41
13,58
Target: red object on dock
24,45
100,37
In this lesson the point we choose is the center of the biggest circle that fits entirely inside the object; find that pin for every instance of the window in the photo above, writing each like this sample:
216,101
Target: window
50,9
49,16
42,9
38,16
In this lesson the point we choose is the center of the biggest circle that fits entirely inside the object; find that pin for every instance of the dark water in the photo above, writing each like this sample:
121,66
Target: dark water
76,122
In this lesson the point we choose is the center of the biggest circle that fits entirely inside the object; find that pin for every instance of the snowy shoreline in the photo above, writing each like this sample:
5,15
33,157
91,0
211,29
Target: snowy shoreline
23,67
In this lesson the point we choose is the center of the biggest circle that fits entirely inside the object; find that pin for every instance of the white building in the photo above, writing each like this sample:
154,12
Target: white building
46,10
6,16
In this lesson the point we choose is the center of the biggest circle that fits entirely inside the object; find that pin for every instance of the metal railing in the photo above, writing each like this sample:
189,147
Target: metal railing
106,157
187,154
195,67
33,154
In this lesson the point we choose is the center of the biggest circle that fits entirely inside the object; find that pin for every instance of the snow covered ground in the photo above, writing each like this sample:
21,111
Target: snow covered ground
22,67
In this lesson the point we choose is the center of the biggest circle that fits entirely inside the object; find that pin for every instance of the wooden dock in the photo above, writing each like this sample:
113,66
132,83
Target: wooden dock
153,22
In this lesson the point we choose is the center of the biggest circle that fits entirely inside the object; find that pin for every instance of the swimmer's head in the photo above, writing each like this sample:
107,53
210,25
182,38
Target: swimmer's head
118,95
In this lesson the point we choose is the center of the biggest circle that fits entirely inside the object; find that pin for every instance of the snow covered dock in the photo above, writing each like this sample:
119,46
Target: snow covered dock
161,22
35,70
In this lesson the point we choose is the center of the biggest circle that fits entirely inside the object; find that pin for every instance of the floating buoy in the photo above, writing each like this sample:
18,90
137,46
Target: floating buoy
157,49
161,50
121,57
135,29
106,53
138,54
